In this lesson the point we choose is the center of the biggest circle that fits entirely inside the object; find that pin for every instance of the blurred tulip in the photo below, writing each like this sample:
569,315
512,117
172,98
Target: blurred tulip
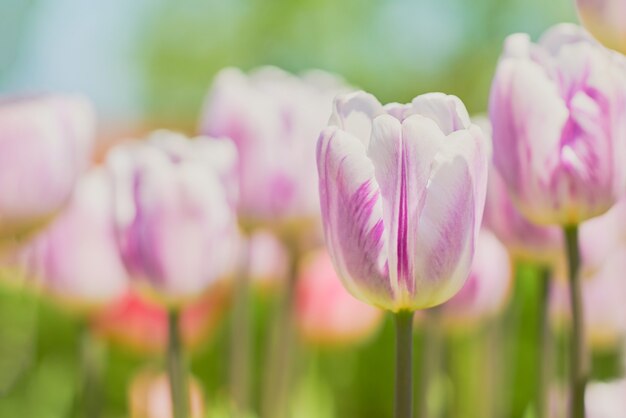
402,189
77,257
605,20
489,284
174,212
149,397
525,240
557,112
140,324
45,144
606,399
603,288
268,260
274,118
325,312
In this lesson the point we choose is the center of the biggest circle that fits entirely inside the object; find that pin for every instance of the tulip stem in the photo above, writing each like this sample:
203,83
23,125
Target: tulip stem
404,365
240,337
543,342
280,345
577,342
91,354
430,361
176,367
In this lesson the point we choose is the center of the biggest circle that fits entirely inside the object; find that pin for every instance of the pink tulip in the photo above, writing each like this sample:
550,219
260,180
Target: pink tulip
45,144
140,324
274,119
325,312
489,284
402,190
149,397
77,257
557,112
174,212
605,20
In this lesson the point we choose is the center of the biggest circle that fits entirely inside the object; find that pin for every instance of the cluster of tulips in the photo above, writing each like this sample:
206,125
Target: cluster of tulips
345,207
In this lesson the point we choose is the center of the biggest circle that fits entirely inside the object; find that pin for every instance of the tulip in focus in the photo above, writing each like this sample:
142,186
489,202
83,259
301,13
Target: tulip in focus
326,313
557,111
402,190
274,118
149,397
77,258
45,145
605,20
174,212
489,284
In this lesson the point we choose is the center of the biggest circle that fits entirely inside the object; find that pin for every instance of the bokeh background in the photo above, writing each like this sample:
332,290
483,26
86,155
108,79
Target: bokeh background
148,64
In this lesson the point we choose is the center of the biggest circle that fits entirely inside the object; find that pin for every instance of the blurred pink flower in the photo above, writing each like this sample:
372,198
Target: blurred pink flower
325,312
45,144
140,324
274,118
175,212
268,260
402,189
149,397
489,284
605,20
557,112
77,258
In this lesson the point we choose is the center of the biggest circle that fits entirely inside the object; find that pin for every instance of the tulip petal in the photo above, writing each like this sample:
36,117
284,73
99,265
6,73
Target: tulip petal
354,112
352,213
447,111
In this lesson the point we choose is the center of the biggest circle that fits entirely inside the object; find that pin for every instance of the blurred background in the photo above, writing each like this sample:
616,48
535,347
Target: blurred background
148,64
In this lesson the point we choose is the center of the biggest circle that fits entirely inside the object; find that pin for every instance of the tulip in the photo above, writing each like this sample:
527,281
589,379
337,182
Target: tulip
174,216
526,241
486,290
140,324
606,399
268,260
45,144
326,313
605,20
76,257
557,113
402,190
402,205
274,119
176,225
148,397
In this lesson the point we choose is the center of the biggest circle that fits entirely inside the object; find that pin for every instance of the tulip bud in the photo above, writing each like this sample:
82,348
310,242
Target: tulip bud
149,397
77,257
557,110
45,144
274,119
605,20
325,312
174,213
402,190
488,287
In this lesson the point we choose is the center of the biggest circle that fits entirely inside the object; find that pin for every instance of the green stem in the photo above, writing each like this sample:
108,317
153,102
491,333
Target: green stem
430,361
577,343
176,367
91,373
240,338
279,354
543,343
404,365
